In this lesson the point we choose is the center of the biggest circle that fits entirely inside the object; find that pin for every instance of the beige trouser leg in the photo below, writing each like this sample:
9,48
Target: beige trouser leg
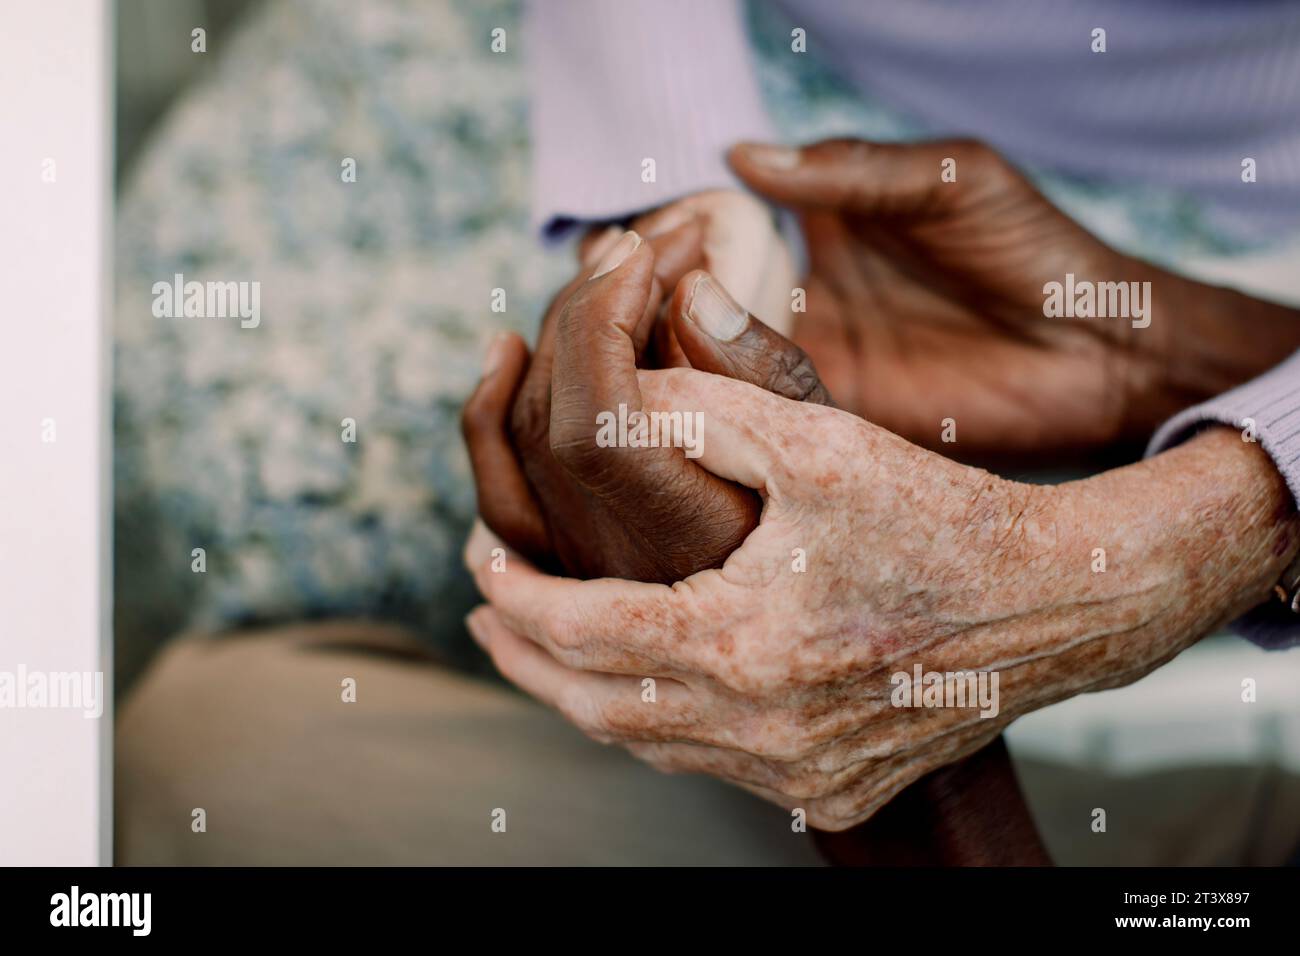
253,729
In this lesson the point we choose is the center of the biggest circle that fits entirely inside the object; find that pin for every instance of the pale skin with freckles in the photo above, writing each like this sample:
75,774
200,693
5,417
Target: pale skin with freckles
779,681
740,246
526,477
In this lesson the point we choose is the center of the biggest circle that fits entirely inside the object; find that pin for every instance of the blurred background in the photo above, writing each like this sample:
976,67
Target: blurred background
152,69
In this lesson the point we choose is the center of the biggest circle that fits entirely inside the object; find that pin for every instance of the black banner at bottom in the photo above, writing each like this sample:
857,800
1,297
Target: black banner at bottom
370,905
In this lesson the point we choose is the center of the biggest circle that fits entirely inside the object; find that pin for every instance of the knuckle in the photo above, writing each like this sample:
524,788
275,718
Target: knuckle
846,810
747,679
556,629
793,375
775,739
809,785
973,150
737,659
758,676
990,166
769,746
830,821
570,445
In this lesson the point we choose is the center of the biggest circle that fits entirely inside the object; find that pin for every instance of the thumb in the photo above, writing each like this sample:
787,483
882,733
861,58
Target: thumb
718,336
594,380
875,179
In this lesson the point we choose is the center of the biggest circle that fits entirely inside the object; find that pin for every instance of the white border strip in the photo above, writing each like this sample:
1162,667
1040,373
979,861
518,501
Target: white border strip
55,601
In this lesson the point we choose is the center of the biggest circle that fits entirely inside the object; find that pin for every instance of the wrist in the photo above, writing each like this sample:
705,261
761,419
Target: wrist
1188,540
1094,583
1203,340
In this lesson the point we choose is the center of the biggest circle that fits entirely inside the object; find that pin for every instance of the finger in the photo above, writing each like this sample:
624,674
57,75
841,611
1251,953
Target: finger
667,350
595,243
760,778
577,694
666,218
677,250
623,705
606,624
505,499
750,436
718,336
606,706
532,412
676,253
754,774
596,398
878,179
594,368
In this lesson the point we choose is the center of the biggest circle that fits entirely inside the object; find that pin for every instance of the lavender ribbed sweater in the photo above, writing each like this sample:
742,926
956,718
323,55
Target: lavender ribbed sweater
1185,90
1272,403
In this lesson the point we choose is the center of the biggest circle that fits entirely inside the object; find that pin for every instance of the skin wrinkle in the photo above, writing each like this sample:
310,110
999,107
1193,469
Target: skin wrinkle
897,756
984,244
783,675
780,773
820,735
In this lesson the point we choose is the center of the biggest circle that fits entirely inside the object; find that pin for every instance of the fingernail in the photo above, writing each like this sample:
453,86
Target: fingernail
614,258
602,244
495,354
774,157
714,310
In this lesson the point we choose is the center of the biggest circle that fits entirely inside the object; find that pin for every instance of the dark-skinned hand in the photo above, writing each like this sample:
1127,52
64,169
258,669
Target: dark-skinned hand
653,515
925,300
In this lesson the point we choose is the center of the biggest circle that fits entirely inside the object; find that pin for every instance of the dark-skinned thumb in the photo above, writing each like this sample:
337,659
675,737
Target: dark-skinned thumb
719,336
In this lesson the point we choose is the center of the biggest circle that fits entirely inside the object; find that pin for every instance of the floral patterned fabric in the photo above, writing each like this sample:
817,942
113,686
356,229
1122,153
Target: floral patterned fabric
376,303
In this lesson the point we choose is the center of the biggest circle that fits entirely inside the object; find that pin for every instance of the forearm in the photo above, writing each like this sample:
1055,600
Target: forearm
1203,341
1189,540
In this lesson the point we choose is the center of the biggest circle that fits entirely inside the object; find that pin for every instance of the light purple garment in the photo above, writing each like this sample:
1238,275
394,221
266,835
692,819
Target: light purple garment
615,84
1184,92
1272,403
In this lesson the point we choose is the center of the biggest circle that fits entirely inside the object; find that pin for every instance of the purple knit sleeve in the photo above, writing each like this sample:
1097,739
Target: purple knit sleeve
1269,407
616,84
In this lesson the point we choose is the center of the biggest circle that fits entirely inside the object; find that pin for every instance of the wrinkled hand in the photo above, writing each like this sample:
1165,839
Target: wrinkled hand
777,671
925,299
969,813
647,514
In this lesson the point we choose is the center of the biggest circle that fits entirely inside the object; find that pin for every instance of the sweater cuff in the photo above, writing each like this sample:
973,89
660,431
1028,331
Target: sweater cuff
1269,408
